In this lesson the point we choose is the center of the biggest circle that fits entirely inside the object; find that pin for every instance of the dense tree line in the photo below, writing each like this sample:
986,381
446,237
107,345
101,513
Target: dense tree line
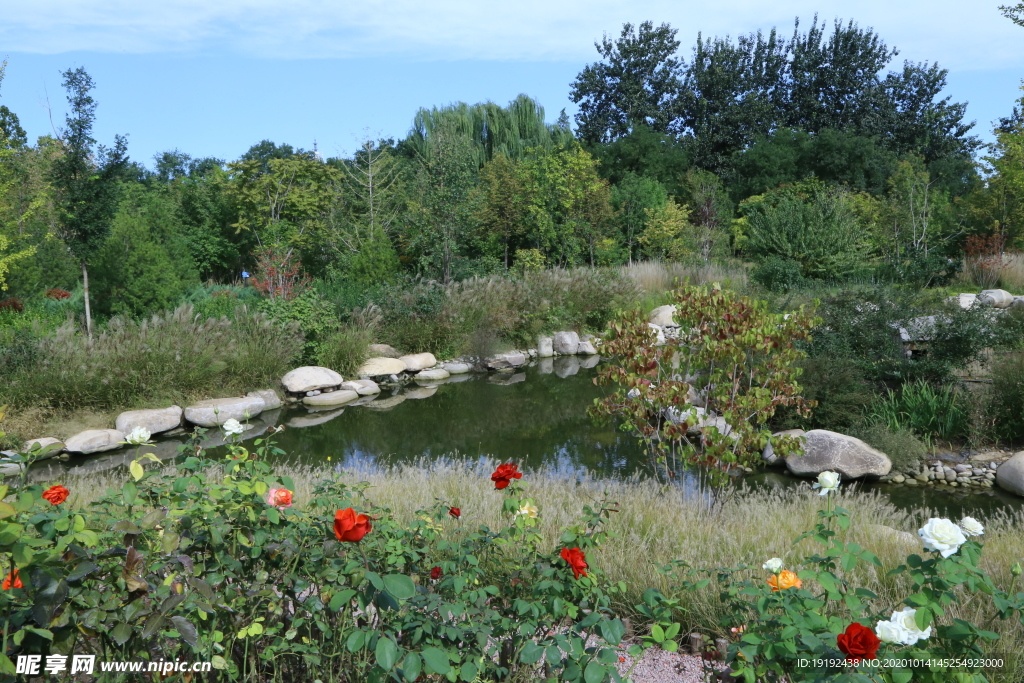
813,156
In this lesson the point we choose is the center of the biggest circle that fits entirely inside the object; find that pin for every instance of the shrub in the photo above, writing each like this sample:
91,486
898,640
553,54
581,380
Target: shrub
928,411
11,303
1007,398
344,349
170,355
778,274
904,449
838,387
313,316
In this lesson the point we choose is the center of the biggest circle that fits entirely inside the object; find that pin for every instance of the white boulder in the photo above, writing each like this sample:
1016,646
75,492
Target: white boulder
95,441
1010,475
662,316
826,451
310,378
270,398
418,361
363,387
153,421
566,343
545,346
457,368
383,351
216,411
331,398
964,300
381,367
435,374
996,298
47,444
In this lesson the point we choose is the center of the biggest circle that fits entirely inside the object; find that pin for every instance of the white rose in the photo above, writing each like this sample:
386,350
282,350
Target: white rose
633,393
232,427
138,436
528,509
941,536
828,482
971,527
905,620
889,632
773,565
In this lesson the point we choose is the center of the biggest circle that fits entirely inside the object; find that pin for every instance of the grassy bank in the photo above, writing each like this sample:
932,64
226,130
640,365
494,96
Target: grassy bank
656,524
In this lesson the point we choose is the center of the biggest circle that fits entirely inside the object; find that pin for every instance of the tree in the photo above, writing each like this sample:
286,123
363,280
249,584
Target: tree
86,179
1014,13
9,145
710,210
643,152
633,200
637,84
667,233
504,211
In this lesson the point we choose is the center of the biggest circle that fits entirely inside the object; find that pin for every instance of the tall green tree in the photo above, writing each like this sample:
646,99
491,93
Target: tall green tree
636,84
86,178
505,207
1014,13
633,199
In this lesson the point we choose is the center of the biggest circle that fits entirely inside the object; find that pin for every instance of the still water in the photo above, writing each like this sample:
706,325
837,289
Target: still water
536,417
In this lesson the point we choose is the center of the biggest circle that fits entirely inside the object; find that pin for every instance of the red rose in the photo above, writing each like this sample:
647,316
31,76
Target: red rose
504,473
351,526
455,512
576,560
12,581
56,494
435,573
858,642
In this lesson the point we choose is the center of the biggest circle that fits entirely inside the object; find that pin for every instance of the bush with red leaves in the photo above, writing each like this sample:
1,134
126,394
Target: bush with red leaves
12,303
57,294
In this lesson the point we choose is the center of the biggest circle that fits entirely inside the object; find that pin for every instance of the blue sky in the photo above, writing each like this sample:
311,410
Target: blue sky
211,79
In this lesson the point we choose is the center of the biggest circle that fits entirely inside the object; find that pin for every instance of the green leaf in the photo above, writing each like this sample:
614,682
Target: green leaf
436,660
375,580
356,641
136,470
186,629
386,653
273,516
341,599
129,492
411,667
657,633
469,672
153,625
594,673
612,630
121,633
531,653
400,586
6,510
901,675
83,569
150,520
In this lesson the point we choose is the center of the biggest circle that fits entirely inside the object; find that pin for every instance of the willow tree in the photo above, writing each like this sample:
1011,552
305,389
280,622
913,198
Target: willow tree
490,128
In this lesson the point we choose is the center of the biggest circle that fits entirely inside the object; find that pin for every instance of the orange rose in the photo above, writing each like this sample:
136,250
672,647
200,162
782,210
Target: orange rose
281,498
783,580
351,526
576,560
504,473
56,494
12,581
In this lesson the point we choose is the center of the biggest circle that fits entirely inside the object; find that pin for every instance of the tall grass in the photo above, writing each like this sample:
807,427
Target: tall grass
656,524
930,412
168,355
660,276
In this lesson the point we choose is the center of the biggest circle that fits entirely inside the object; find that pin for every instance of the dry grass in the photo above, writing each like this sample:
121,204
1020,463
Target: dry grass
655,277
657,524
1005,272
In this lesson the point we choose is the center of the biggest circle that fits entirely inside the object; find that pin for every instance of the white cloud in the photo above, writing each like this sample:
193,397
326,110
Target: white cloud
960,36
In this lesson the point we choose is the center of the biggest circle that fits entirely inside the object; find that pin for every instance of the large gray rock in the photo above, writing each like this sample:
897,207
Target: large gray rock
831,451
47,444
216,411
545,347
566,343
432,374
964,300
363,387
1018,302
586,348
331,398
1010,475
95,441
153,421
512,359
457,368
381,367
418,361
382,351
662,316
310,378
270,398
769,455
996,298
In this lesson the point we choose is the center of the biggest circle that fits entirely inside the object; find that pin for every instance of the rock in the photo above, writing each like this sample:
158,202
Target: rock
457,368
662,316
899,479
1010,475
566,343
382,351
95,441
586,348
1018,302
381,367
153,421
768,453
515,358
545,347
502,361
425,391
363,387
313,419
432,374
659,334
216,411
546,366
963,300
588,362
996,298
830,451
418,361
314,392
271,400
47,444
566,366
310,378
333,398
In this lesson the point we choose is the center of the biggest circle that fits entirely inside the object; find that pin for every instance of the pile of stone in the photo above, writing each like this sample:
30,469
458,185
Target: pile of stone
993,298
937,473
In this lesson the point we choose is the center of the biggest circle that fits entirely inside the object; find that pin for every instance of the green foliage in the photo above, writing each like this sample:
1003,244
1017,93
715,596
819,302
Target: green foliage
810,223
840,390
904,449
344,349
375,263
705,395
173,354
1007,404
778,274
192,562
930,412
221,301
313,316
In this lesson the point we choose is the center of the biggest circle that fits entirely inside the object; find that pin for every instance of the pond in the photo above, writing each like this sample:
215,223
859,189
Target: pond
536,417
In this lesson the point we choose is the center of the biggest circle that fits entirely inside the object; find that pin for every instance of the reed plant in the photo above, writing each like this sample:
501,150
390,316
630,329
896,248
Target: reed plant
931,412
